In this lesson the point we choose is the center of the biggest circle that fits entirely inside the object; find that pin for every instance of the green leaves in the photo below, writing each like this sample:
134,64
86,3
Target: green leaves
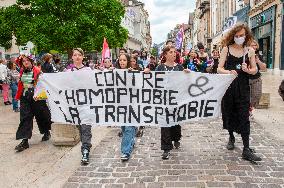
63,24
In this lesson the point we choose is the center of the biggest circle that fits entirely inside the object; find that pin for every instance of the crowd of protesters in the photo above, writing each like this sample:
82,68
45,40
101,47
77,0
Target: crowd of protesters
239,56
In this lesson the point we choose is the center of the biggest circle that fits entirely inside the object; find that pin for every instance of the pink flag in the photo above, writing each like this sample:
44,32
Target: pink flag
105,52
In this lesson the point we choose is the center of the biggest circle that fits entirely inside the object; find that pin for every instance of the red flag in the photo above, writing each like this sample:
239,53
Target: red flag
105,52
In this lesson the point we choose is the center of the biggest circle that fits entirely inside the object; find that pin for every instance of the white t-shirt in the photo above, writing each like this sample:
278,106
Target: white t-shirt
3,72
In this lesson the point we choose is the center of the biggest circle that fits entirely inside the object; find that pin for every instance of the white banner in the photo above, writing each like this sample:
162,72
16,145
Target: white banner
120,98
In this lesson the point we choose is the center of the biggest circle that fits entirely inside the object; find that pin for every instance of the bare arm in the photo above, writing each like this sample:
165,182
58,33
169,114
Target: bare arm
261,65
251,69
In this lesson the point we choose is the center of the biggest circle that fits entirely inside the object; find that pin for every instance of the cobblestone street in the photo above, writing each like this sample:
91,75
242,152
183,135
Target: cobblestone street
202,161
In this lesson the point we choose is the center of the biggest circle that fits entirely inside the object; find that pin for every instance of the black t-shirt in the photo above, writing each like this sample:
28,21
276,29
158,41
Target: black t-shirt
152,66
215,66
163,67
47,68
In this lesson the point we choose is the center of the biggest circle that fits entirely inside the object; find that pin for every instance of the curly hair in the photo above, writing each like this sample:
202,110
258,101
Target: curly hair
30,57
228,39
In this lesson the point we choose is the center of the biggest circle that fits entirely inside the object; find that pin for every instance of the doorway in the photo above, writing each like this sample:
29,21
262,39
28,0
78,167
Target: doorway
266,51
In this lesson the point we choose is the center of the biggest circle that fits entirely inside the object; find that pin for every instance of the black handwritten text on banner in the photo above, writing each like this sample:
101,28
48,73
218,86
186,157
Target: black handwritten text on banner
134,98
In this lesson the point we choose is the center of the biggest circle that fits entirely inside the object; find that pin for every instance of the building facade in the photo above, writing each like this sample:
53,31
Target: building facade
202,29
266,22
138,26
224,14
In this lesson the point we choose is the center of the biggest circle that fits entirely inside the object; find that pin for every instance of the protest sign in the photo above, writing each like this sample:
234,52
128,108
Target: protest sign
134,98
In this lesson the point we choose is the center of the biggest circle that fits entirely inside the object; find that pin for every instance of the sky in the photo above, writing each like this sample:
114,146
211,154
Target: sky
164,15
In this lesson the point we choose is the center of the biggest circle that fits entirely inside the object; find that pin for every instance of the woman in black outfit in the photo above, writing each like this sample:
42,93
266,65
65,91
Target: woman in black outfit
239,60
169,134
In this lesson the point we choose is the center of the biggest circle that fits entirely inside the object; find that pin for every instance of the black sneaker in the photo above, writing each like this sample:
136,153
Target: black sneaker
17,110
177,144
124,157
85,157
231,144
7,103
166,155
46,136
139,133
22,146
249,155
119,134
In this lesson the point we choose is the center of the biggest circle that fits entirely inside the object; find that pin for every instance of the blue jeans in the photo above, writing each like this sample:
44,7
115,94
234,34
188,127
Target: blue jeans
14,88
128,139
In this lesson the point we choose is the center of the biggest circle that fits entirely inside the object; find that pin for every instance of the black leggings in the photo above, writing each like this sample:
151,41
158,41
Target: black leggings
29,108
169,134
245,138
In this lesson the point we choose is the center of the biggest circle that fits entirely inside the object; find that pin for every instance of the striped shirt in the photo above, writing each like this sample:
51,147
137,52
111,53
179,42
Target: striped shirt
27,79
13,76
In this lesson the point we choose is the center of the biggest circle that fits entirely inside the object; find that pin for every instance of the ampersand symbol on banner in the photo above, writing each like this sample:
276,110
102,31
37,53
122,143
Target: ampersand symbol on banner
199,84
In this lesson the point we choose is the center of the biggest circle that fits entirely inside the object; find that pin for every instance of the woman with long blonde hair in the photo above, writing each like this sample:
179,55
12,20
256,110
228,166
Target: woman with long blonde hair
238,59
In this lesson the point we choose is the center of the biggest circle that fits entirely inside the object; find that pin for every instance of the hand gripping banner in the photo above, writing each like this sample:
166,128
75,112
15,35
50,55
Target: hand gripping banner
123,98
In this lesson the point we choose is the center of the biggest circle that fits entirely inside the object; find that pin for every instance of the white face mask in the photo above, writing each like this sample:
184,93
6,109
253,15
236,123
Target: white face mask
240,40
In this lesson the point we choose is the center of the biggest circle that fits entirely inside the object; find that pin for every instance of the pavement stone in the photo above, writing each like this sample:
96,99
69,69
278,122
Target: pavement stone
202,161
43,164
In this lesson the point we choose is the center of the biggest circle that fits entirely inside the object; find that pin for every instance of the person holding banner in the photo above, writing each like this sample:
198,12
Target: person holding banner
85,130
128,132
239,60
169,134
29,107
177,60
135,67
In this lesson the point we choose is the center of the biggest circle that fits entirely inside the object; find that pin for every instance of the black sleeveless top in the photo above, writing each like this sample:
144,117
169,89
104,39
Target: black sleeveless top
235,63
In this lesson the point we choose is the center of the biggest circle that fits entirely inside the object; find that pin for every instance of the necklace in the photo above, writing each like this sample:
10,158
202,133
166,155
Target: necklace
166,68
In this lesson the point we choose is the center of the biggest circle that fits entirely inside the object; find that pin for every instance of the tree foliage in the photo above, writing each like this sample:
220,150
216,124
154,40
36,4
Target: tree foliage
154,51
63,24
